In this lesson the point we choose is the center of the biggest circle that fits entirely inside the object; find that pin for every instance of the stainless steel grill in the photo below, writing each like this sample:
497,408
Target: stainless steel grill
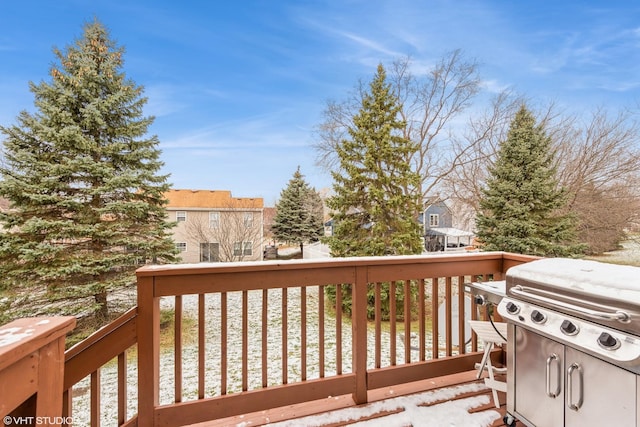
573,337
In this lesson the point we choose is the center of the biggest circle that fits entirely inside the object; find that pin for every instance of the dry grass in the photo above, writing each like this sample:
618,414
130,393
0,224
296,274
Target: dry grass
629,254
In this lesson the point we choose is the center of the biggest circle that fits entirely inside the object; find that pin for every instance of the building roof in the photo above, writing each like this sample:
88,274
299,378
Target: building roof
448,231
210,199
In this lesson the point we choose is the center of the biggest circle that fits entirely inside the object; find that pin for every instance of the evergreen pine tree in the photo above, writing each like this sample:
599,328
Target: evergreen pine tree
375,203
521,209
87,201
315,207
299,216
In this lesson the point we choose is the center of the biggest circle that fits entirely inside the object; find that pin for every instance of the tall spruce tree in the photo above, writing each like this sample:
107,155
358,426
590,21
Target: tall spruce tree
522,208
299,213
81,175
376,204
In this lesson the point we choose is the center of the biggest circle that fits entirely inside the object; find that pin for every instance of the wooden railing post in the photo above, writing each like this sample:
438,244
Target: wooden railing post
359,333
32,362
148,325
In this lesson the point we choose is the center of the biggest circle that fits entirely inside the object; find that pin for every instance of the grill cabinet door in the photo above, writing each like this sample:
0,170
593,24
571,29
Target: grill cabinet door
558,385
605,394
539,379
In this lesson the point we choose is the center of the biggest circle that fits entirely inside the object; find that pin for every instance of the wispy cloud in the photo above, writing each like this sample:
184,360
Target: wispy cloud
264,131
350,41
166,99
596,57
255,156
494,86
367,43
162,100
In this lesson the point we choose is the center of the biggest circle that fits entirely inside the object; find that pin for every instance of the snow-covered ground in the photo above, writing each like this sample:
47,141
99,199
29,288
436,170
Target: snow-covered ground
629,254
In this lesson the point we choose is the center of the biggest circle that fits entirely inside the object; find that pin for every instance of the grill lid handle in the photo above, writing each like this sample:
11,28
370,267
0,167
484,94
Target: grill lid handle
532,294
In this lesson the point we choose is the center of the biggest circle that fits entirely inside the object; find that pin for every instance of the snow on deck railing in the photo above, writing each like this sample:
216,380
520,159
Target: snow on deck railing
260,335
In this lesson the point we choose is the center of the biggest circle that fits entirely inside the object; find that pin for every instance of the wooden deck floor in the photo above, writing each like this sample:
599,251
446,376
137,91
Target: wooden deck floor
294,412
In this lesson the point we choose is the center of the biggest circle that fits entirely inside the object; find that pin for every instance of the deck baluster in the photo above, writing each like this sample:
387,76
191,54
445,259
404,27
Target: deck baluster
177,349
448,317
435,296
265,336
321,334
303,333
378,320
422,319
224,312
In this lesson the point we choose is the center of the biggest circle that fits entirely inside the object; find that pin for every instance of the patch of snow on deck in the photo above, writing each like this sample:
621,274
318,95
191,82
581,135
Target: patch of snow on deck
447,413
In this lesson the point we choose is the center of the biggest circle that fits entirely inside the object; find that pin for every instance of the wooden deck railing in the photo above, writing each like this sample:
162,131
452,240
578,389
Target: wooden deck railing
260,335
88,357
31,369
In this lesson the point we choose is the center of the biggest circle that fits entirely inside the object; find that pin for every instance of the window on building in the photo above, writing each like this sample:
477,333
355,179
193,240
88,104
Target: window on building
214,220
181,246
248,219
434,220
243,248
181,216
209,252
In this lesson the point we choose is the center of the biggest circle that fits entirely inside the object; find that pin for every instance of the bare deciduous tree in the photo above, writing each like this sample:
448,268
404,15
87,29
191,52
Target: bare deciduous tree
233,233
430,105
599,165
473,152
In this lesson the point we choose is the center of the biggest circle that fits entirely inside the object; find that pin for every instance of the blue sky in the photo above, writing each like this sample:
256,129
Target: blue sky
237,87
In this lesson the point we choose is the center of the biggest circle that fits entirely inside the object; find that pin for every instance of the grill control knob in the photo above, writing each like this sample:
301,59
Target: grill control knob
512,308
568,328
479,299
538,317
608,342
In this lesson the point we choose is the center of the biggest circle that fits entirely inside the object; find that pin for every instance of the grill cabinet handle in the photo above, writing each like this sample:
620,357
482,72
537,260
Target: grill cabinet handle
527,292
574,367
550,360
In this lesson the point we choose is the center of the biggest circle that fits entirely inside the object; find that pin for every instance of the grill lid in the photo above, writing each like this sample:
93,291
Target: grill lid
608,293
